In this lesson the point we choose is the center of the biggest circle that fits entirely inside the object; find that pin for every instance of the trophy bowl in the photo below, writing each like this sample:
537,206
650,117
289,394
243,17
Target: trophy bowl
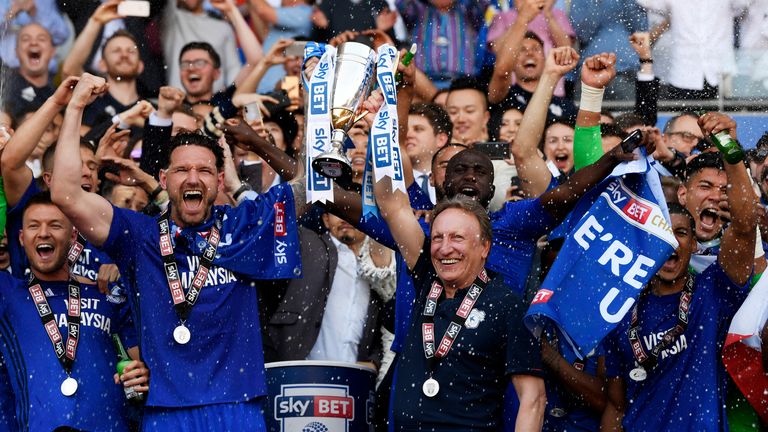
351,86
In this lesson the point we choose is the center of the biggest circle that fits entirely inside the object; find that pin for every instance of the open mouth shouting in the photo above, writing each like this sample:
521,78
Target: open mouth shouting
562,160
45,251
671,263
35,57
709,220
193,199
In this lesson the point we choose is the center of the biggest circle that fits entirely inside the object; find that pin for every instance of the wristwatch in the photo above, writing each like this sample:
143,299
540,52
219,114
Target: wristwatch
244,186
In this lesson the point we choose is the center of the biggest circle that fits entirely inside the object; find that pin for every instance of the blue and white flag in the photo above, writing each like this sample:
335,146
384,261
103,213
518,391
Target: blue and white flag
318,118
609,255
383,158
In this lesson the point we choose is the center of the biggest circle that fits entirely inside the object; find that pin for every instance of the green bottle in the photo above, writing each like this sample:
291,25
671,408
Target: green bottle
406,60
728,146
122,361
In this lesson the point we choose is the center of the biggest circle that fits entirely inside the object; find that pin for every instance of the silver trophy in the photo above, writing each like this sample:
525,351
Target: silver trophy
351,86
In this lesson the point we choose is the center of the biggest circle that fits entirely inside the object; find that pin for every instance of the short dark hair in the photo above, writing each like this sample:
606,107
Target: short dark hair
50,152
187,138
628,120
437,117
533,36
119,33
702,161
468,205
205,46
469,83
671,122
288,124
445,147
40,198
763,141
677,208
612,130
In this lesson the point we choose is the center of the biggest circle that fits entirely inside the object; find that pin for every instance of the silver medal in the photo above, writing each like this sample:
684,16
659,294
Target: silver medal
557,412
638,374
430,387
69,386
181,334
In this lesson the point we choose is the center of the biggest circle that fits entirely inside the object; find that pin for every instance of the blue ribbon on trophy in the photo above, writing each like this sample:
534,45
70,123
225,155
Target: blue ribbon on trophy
383,158
318,128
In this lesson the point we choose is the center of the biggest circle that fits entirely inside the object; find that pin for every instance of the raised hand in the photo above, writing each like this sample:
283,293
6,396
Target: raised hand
641,43
112,143
87,89
224,6
106,12
137,114
528,9
238,133
714,122
561,60
63,93
599,70
169,100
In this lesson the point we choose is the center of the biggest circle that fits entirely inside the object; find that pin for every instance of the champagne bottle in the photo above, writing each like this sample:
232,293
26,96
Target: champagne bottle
728,146
122,361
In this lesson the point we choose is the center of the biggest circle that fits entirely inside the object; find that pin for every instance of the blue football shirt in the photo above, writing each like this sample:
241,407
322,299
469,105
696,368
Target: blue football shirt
87,265
35,372
686,391
223,362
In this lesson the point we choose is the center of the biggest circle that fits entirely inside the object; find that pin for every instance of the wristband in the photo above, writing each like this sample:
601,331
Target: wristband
243,188
155,192
646,60
591,98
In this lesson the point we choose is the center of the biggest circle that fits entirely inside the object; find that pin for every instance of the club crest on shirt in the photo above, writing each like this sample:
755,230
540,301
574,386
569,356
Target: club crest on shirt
474,319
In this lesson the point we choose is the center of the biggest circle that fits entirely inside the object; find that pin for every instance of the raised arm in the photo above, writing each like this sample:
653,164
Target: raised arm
89,212
252,48
240,134
647,86
530,166
560,200
560,37
250,82
75,62
16,175
596,73
590,389
738,245
507,48
264,11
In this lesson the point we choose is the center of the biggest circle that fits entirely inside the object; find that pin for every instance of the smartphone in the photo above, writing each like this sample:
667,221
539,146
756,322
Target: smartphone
631,142
494,150
296,49
133,8
252,112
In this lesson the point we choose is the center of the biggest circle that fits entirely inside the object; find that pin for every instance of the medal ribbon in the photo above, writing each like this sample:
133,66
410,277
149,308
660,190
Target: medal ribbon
183,303
649,360
75,250
65,350
432,353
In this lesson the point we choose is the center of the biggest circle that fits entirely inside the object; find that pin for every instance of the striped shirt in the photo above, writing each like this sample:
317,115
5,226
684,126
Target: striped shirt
447,40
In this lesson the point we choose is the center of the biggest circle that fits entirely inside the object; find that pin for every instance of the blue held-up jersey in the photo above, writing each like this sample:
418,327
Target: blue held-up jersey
35,372
223,362
87,265
686,391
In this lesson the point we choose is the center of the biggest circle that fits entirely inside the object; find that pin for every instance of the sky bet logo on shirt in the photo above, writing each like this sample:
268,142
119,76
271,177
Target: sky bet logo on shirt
319,405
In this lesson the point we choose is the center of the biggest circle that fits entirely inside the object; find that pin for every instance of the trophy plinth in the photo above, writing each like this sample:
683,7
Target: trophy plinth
334,164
